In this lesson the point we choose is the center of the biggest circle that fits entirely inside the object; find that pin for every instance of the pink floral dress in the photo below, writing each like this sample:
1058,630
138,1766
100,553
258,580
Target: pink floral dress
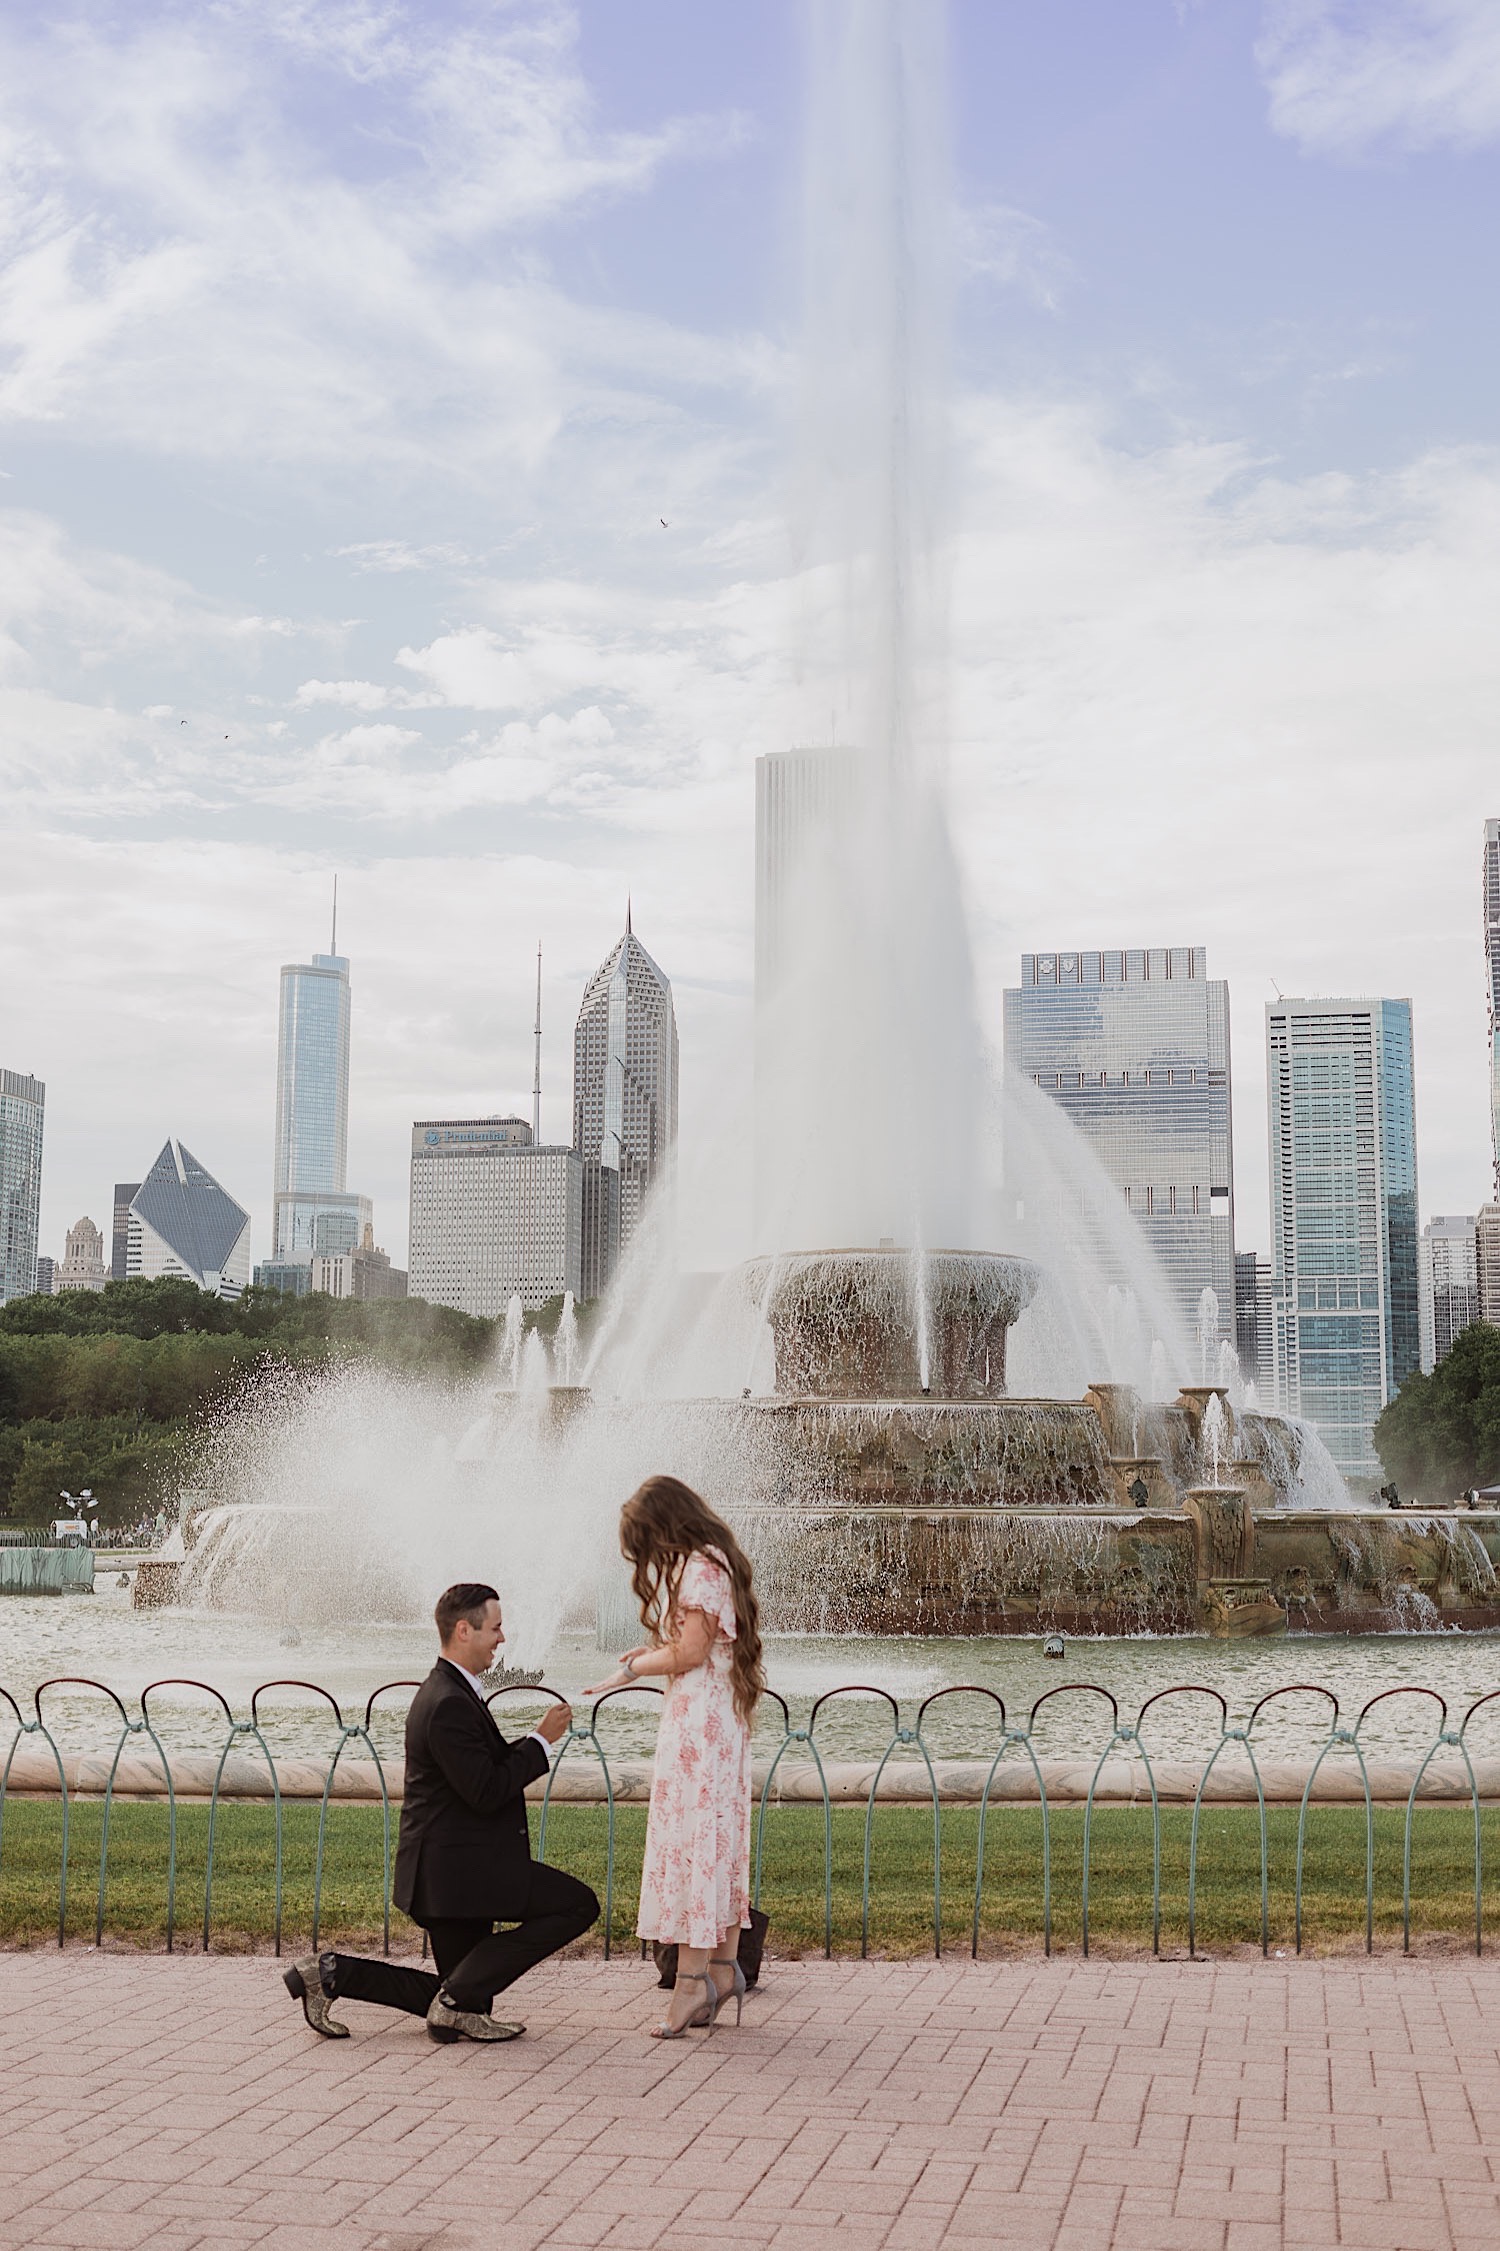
695,1883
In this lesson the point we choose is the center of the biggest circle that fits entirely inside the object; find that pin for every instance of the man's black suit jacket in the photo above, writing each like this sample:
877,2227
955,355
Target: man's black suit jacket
465,1850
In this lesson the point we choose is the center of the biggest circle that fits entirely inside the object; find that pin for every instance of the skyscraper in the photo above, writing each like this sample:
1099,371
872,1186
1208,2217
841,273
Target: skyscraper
125,1191
492,1216
624,1099
1492,964
1254,1333
312,1114
1448,1276
22,1104
182,1222
1134,1046
800,796
1487,1262
1343,1215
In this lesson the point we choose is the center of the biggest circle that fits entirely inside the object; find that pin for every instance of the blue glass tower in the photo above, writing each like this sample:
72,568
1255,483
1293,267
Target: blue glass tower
1343,1148
314,1211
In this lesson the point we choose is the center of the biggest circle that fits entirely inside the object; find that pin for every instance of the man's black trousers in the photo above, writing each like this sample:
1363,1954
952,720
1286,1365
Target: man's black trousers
474,1960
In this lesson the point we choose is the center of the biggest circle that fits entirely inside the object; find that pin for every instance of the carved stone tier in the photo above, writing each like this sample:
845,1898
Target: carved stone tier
891,1324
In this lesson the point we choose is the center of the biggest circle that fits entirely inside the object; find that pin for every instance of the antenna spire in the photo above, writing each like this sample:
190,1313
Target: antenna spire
627,914
536,1076
333,944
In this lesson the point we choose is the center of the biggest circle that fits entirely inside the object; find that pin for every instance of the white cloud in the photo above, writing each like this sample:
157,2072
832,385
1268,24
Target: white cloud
998,243
306,233
353,695
1348,76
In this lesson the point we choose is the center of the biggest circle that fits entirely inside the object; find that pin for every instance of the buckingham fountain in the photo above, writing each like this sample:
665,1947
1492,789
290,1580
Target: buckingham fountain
860,1423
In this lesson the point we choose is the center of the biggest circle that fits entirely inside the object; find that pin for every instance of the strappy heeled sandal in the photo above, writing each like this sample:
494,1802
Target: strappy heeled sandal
736,1991
703,2015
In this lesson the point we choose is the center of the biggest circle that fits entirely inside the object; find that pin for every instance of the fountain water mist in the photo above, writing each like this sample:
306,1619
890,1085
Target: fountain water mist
565,1345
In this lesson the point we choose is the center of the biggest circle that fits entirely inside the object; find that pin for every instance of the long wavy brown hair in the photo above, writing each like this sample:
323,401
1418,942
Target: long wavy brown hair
661,1525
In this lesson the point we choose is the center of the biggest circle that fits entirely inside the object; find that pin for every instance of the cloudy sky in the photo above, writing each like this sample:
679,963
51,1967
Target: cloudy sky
352,354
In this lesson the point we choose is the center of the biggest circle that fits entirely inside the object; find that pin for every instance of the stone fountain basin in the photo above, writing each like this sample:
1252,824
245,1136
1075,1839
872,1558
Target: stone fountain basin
1000,1570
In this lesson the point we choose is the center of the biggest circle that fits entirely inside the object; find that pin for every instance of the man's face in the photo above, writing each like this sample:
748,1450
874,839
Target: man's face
475,1646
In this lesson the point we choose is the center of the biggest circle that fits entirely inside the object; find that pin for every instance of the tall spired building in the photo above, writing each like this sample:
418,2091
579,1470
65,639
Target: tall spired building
624,1099
314,1211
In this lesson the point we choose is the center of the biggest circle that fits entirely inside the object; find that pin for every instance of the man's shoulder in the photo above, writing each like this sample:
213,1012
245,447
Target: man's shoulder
442,1686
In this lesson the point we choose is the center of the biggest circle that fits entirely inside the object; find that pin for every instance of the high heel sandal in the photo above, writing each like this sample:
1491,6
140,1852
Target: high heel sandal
736,1991
704,2014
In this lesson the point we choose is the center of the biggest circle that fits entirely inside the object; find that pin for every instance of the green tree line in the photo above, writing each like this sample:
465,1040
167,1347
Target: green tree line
105,1388
1440,1435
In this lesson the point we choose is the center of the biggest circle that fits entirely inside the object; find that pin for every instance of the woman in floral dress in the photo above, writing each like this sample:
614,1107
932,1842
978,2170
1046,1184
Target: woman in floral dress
693,1582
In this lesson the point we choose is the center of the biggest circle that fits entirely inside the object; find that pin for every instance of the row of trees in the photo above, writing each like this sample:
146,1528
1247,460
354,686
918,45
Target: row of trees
106,1388
1440,1435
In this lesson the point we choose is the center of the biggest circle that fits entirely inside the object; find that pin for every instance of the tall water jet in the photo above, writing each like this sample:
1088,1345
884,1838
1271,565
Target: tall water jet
869,1087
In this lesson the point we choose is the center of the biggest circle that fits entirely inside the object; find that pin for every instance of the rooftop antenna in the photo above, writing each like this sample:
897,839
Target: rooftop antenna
536,1076
627,914
333,945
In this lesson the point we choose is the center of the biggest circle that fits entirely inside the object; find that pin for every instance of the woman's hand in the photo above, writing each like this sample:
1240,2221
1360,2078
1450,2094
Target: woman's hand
621,1679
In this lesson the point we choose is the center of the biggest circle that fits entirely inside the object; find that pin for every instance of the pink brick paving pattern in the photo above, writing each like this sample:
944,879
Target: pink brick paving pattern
862,2107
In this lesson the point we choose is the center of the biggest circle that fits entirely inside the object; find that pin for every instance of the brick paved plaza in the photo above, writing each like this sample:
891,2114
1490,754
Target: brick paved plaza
1235,2104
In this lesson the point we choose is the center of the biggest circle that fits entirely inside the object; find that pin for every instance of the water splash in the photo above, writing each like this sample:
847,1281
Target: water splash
1208,1335
1214,1440
565,1344
512,1336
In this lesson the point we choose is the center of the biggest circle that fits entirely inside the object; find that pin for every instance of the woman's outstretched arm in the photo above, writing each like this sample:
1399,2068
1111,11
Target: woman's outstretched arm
687,1650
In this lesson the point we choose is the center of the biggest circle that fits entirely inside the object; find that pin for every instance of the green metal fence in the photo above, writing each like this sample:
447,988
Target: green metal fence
1018,1742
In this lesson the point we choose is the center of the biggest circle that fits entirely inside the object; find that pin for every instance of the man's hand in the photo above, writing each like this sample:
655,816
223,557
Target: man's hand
555,1722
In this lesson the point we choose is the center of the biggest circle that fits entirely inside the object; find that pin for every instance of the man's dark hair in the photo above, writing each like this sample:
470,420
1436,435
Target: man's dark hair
466,1600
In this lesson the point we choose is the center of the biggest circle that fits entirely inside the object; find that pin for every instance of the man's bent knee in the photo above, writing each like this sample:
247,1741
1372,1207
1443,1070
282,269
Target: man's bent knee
584,1910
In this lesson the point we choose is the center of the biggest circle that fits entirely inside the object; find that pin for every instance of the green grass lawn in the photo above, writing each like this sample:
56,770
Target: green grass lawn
792,1884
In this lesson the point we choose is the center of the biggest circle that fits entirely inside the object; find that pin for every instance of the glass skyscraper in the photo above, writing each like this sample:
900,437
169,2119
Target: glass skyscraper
1343,1149
314,1212
22,1106
1134,1046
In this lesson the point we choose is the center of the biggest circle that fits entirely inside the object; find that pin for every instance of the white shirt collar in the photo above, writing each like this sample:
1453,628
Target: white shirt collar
464,1674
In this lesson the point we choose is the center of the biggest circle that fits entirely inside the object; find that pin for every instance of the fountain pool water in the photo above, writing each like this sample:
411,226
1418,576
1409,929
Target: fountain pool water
106,1640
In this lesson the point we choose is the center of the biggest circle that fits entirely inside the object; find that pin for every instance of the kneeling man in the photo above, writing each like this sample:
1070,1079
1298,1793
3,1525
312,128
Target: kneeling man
464,1860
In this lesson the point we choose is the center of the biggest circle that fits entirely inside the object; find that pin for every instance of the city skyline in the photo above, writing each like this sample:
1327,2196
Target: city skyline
302,576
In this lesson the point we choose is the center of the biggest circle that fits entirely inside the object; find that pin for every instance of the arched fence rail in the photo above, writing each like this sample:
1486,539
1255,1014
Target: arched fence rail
1137,1740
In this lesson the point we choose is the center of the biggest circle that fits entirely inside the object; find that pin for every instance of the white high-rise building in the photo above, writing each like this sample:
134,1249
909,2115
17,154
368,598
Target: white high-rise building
22,1108
83,1266
182,1222
315,1212
492,1216
624,1099
1448,1279
1133,1044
